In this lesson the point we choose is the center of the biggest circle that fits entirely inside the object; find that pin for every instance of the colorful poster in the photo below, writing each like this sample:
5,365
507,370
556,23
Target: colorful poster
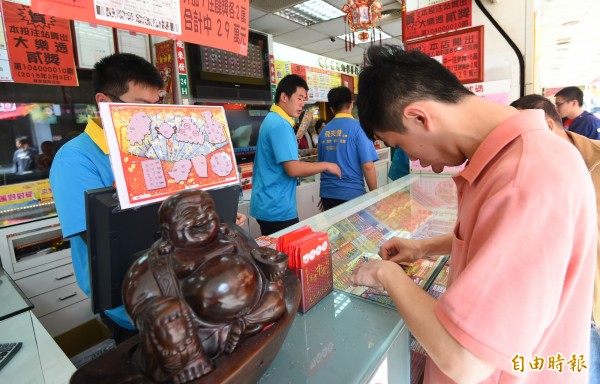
438,18
282,69
158,150
461,52
218,24
39,46
165,63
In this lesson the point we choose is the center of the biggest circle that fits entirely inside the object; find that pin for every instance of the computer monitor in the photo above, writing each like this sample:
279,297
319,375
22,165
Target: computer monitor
244,125
116,238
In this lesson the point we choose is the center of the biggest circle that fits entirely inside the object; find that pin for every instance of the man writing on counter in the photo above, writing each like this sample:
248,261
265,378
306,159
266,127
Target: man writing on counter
522,251
276,165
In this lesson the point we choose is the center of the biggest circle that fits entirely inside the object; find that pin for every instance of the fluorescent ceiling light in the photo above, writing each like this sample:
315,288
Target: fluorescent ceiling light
378,33
310,12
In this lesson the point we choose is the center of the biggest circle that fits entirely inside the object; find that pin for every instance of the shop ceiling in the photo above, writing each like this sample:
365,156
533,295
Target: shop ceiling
569,40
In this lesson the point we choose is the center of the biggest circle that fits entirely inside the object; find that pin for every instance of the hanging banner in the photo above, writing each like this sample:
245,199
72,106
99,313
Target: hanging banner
39,46
217,24
165,63
460,51
181,68
437,18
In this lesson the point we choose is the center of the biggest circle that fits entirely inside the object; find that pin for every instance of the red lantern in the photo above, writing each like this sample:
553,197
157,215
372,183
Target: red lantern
361,15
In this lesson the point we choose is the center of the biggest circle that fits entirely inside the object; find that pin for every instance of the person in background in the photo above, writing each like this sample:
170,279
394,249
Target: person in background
319,125
344,142
590,151
304,141
44,160
569,103
24,156
276,165
522,253
400,165
83,163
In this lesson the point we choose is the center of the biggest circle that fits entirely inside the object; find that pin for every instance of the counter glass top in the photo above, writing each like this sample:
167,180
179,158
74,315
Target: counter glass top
344,338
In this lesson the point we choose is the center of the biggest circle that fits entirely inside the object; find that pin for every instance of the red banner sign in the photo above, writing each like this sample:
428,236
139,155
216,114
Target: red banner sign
39,47
165,63
217,24
460,51
438,18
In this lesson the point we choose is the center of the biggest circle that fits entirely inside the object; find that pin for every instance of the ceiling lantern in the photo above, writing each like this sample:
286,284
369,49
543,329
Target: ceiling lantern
361,16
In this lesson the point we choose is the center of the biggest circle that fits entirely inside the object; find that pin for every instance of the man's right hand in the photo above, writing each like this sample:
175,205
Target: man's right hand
334,169
401,250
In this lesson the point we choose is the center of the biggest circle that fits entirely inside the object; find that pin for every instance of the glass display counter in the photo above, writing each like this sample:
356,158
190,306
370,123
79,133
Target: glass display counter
346,338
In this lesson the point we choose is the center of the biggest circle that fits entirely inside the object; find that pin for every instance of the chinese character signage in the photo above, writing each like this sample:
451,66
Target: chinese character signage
39,46
460,51
437,18
218,24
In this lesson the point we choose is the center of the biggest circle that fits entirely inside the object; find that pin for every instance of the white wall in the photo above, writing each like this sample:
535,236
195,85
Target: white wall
500,61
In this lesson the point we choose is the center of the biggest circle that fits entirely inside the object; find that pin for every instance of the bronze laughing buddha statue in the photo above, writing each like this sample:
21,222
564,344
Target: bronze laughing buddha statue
199,289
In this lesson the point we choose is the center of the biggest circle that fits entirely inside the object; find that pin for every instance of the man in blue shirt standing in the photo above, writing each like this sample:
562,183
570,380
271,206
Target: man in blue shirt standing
276,165
569,102
83,163
344,142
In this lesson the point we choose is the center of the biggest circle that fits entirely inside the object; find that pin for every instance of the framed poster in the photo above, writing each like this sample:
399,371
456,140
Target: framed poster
93,42
460,51
158,150
134,42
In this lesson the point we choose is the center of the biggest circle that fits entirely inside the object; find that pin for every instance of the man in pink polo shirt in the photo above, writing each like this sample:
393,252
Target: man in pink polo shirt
517,308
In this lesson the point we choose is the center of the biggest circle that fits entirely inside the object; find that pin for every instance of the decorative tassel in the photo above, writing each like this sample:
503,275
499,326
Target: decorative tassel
345,34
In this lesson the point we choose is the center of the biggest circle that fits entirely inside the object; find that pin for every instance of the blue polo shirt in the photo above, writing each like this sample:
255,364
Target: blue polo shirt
344,142
586,125
273,191
80,165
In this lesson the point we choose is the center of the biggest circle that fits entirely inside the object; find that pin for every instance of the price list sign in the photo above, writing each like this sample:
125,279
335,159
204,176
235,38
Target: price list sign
460,51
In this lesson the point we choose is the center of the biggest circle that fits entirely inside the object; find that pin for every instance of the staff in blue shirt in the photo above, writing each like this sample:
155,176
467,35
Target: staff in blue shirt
276,165
83,163
344,142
